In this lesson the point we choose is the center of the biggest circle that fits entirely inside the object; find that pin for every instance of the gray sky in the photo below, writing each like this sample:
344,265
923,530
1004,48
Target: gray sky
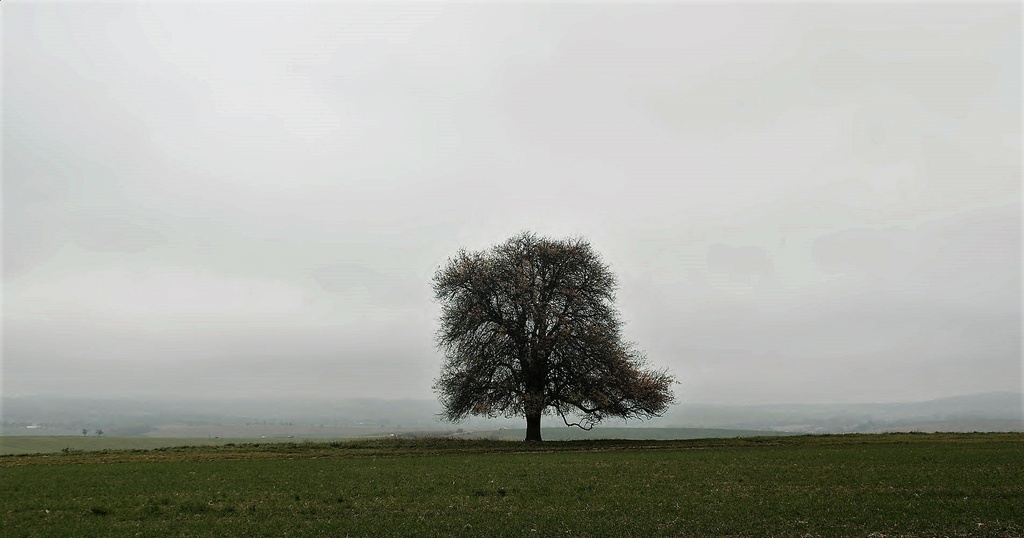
804,202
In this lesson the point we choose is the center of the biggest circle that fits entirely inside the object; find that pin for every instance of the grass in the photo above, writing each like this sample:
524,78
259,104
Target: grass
64,443
576,434
891,485
39,444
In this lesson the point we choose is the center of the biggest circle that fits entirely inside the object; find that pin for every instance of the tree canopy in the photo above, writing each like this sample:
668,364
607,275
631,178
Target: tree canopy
529,327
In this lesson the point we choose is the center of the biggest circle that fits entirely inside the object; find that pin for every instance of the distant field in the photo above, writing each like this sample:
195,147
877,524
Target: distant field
855,485
237,431
576,434
42,445
26,444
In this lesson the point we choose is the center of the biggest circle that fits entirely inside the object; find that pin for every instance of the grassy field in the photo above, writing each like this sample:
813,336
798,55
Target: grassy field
41,444
576,434
857,485
28,444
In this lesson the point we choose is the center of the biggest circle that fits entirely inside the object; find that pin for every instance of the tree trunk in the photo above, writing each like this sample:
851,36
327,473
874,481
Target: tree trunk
533,427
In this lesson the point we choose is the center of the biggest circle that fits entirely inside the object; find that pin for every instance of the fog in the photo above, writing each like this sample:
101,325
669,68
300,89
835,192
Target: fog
803,203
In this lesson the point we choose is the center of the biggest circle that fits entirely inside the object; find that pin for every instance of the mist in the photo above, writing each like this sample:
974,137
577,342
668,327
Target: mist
803,203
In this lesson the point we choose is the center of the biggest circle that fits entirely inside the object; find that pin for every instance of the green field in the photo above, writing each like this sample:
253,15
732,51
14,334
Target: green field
31,444
28,444
664,434
853,485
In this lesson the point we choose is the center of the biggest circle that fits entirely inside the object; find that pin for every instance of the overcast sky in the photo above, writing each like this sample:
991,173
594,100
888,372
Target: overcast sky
803,202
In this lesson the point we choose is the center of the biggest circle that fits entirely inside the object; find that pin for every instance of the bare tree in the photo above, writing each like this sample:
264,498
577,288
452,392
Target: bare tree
528,328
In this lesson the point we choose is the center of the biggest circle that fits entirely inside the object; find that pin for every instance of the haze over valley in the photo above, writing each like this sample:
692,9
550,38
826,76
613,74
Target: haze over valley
225,217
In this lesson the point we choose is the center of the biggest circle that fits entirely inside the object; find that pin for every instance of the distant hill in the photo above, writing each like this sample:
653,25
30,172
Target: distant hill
997,411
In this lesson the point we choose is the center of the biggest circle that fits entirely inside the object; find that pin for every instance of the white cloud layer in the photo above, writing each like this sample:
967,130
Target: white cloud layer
803,202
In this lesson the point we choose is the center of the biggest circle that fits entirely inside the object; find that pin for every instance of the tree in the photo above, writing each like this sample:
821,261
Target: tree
529,328
85,431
